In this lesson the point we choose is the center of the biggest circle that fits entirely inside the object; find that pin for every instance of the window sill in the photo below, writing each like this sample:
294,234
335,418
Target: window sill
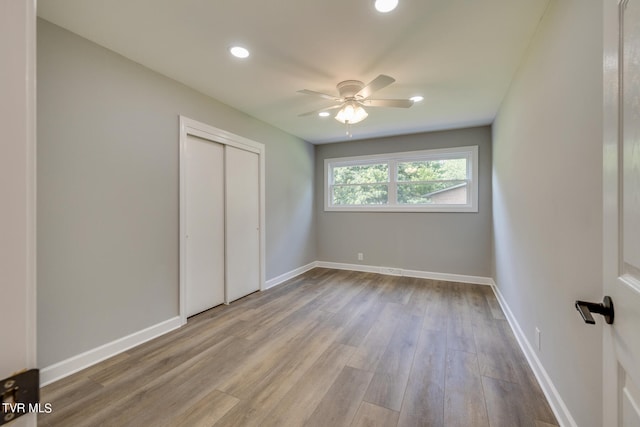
445,209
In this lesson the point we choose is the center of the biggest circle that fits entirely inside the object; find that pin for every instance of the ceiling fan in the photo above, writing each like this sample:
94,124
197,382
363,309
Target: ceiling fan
354,95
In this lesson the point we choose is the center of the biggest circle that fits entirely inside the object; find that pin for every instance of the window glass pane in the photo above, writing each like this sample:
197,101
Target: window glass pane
445,193
433,170
361,174
372,194
439,180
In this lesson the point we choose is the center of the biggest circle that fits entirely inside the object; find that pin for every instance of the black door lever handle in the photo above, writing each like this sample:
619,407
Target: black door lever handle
604,308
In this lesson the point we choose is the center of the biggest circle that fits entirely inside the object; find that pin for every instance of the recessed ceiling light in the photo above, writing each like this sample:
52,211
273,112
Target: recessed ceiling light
239,51
385,6
417,98
324,114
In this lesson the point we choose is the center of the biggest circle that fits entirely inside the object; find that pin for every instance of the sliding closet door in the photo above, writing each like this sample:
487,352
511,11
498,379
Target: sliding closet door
243,222
204,225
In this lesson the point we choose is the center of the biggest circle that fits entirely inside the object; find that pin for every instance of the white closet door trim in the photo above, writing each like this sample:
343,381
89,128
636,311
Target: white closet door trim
202,130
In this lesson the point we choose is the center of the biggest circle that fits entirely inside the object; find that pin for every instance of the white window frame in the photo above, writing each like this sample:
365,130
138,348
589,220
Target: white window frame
469,152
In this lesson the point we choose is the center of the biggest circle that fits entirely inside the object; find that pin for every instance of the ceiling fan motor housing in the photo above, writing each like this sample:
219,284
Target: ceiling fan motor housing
349,88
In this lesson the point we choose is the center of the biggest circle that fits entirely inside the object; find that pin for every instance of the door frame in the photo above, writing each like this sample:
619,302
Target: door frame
18,189
201,130
610,205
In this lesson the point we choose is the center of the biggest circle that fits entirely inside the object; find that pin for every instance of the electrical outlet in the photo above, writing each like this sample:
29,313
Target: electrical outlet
360,256
538,333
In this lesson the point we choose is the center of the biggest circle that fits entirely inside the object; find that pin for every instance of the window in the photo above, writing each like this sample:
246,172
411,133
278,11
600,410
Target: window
442,180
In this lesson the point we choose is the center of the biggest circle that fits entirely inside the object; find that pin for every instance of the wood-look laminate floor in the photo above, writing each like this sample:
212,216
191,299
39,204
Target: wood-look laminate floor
328,348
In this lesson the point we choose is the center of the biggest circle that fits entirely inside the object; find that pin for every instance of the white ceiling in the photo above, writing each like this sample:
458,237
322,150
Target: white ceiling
459,54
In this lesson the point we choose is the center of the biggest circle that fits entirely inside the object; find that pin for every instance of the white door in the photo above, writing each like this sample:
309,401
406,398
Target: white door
17,192
243,222
621,394
205,224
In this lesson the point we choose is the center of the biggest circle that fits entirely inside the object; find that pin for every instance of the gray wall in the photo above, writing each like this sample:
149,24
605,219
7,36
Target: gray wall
455,243
108,193
547,199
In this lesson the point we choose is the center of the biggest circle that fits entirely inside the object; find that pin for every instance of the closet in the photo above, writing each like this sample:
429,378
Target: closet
221,217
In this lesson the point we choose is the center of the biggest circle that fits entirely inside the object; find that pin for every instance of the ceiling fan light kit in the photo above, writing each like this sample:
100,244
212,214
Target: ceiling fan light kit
351,113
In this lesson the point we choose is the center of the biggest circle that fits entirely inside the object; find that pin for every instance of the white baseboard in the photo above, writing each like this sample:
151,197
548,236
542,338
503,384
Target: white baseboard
351,267
477,280
289,275
74,364
553,397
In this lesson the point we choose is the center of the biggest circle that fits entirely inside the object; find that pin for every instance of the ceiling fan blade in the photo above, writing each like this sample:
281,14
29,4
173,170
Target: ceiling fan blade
376,84
320,94
398,103
333,107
